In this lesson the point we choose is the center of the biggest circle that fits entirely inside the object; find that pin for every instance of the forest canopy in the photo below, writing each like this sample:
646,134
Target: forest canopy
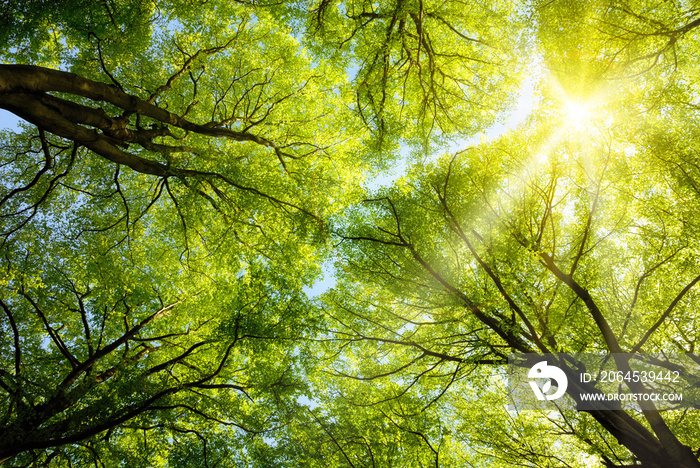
312,233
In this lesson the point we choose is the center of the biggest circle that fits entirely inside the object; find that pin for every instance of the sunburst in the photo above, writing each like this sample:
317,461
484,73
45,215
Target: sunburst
578,114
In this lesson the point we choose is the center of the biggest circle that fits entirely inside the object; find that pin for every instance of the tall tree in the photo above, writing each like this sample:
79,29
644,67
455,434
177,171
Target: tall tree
162,210
493,252
425,71
573,233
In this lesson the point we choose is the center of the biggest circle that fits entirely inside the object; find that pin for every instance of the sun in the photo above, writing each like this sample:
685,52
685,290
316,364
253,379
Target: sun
578,115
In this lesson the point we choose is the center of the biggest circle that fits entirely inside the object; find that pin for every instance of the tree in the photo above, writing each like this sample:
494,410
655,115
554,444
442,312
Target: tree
425,71
112,347
490,253
158,224
573,234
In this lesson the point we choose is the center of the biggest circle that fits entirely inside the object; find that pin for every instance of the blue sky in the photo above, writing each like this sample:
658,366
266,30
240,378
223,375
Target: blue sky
8,120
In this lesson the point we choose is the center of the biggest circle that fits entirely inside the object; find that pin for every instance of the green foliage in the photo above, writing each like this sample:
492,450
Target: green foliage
187,167
425,72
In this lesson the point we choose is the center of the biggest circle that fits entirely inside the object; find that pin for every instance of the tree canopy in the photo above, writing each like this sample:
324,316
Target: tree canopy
186,170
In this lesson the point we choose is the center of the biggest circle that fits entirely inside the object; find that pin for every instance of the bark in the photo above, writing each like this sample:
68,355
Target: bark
24,91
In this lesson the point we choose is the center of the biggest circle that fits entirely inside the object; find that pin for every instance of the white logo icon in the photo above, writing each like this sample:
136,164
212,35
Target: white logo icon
542,371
